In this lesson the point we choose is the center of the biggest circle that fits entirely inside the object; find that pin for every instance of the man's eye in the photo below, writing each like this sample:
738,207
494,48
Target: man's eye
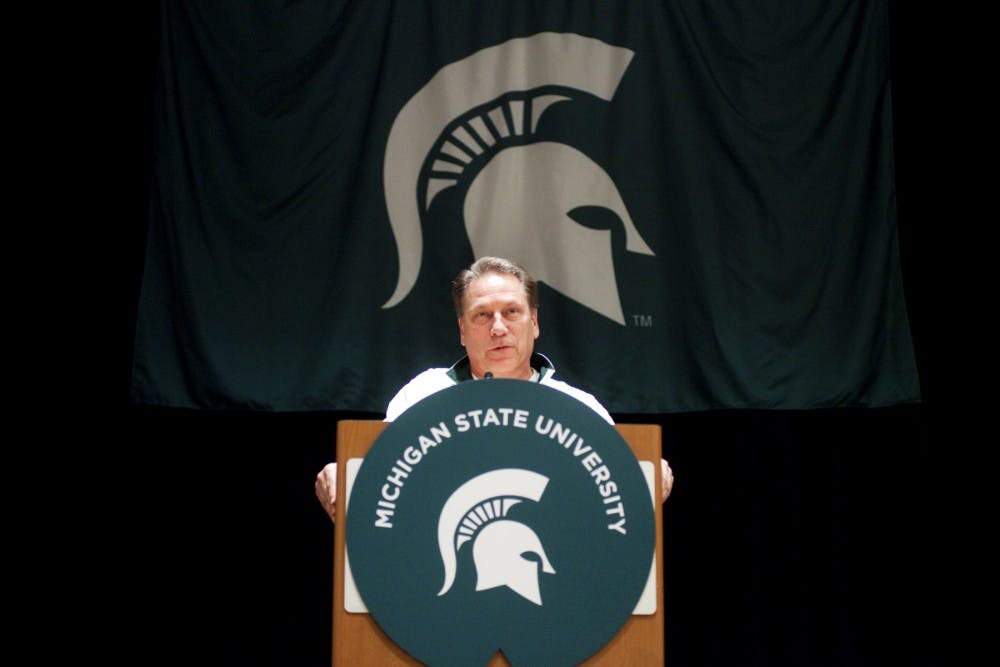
480,317
513,313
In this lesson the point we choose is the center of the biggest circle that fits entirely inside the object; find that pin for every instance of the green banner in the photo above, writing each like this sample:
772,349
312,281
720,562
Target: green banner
704,191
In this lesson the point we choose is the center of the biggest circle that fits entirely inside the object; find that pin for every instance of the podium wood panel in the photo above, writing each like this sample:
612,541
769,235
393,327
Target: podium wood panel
358,641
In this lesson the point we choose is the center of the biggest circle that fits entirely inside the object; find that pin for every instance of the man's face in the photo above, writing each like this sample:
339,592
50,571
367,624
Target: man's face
498,328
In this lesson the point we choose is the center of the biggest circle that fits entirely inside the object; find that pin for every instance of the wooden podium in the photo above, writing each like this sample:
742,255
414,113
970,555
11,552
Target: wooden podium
359,642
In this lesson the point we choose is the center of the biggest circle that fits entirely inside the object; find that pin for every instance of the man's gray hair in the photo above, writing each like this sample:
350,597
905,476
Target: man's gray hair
485,265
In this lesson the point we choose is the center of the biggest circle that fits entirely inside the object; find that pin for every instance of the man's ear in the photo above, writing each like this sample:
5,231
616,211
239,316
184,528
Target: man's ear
534,321
461,332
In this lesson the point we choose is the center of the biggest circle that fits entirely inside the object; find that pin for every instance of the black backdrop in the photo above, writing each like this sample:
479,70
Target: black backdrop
792,538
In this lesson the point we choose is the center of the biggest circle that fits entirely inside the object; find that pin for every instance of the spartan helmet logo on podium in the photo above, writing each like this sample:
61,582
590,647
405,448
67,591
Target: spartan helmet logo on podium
473,126
477,512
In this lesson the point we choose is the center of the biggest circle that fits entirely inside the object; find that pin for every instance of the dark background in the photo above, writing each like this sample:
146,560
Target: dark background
792,538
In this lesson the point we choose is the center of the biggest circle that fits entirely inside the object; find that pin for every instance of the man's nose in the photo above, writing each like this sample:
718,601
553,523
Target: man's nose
498,328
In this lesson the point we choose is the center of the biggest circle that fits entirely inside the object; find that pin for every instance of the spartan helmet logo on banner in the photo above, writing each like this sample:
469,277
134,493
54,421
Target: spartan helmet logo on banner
472,126
477,512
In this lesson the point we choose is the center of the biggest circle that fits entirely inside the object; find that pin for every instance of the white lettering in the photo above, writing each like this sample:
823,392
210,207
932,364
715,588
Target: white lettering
426,443
538,425
591,460
491,417
398,476
580,448
383,518
440,432
560,433
601,474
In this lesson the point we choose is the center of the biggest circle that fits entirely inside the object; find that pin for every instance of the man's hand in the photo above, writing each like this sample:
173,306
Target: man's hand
666,480
326,489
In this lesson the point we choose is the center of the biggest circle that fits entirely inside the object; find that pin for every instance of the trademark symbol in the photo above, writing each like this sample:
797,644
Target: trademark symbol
645,321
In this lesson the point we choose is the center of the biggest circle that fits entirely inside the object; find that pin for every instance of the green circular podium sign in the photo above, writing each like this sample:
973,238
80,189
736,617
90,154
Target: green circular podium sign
500,515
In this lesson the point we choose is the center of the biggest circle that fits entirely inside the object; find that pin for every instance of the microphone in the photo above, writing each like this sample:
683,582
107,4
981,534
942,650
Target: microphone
487,375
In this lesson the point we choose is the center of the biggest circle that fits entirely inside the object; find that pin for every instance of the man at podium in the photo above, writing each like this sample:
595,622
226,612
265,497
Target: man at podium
496,301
